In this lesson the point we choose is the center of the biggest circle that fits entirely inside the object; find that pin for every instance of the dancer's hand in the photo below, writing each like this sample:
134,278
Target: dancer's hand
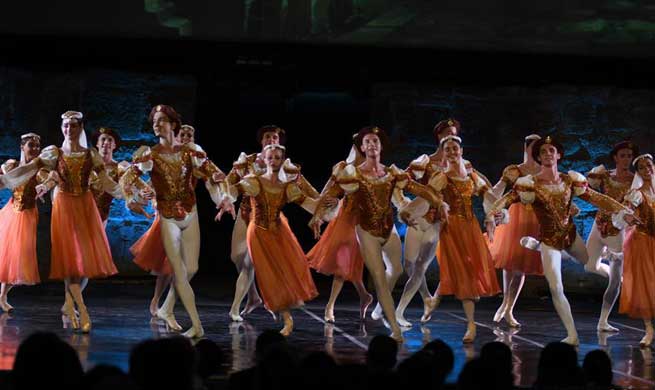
406,217
41,190
330,202
146,194
574,210
315,225
491,228
498,217
218,176
632,220
225,206
443,213
137,208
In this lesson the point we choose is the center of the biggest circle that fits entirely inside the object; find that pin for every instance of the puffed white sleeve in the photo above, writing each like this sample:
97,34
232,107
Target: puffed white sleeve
102,179
18,176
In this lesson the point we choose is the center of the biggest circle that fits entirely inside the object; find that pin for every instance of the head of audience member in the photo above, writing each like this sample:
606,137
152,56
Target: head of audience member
496,359
443,359
279,368
381,355
266,340
209,357
417,371
558,366
472,376
597,368
318,371
43,360
107,377
163,363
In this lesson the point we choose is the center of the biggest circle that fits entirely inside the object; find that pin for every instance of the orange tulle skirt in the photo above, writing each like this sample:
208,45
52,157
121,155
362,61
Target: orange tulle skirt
337,252
18,262
638,290
149,253
79,243
465,264
281,267
506,250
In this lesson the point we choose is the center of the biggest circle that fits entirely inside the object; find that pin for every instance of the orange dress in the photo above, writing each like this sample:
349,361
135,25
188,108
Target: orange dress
79,243
337,252
281,267
506,250
638,290
149,253
18,222
466,266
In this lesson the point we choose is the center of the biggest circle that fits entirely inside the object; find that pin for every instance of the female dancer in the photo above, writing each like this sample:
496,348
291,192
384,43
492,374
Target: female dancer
551,193
506,250
18,220
148,250
171,170
253,164
638,291
615,183
337,252
79,244
423,233
280,264
373,187
464,260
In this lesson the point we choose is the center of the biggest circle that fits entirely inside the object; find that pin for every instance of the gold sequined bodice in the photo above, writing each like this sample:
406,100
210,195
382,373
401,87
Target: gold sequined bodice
552,207
616,190
266,206
24,196
103,199
646,213
74,171
172,179
373,204
458,194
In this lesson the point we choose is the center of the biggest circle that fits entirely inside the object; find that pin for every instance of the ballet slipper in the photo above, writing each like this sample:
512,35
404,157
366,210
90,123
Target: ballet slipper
288,325
402,321
530,243
85,320
572,340
195,332
329,314
604,326
471,331
433,303
171,322
250,307
376,314
511,321
500,313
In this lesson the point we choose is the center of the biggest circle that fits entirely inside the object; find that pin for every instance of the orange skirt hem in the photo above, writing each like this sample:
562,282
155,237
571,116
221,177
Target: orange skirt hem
18,260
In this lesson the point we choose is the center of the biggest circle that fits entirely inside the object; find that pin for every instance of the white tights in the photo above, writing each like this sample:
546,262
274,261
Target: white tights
551,259
420,247
595,245
378,253
241,259
182,245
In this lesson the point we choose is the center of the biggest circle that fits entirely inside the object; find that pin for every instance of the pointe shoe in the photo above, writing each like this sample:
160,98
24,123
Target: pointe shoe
195,332
153,309
400,319
469,336
329,316
511,321
236,317
288,327
500,313
432,305
376,314
85,320
250,307
70,314
363,306
647,340
6,307
171,322
605,327
572,340
530,243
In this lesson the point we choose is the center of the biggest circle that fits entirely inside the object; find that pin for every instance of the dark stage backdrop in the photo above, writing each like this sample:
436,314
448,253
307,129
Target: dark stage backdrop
320,95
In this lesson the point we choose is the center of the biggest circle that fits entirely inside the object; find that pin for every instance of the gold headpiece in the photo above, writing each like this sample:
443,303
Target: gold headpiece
548,140
30,135
450,122
158,108
375,130
636,160
72,115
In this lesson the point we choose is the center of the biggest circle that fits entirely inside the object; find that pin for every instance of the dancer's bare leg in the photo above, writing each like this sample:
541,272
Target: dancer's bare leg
365,299
391,254
371,248
337,285
469,311
4,291
161,283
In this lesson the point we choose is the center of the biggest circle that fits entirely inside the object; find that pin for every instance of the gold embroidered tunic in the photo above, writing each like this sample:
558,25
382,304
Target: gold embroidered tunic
604,182
552,205
24,196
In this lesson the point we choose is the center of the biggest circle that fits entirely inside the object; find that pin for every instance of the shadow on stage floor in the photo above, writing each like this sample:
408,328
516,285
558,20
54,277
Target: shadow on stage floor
119,311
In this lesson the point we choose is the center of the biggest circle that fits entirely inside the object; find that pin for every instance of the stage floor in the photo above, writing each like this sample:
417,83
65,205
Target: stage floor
120,320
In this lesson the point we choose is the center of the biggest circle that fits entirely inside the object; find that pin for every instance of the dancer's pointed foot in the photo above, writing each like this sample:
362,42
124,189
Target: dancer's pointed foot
604,326
69,313
471,331
329,314
376,314
195,332
511,321
251,306
288,326
364,303
235,317
648,338
398,336
400,318
572,340
6,307
153,308
169,319
85,320
530,243
500,313
431,306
